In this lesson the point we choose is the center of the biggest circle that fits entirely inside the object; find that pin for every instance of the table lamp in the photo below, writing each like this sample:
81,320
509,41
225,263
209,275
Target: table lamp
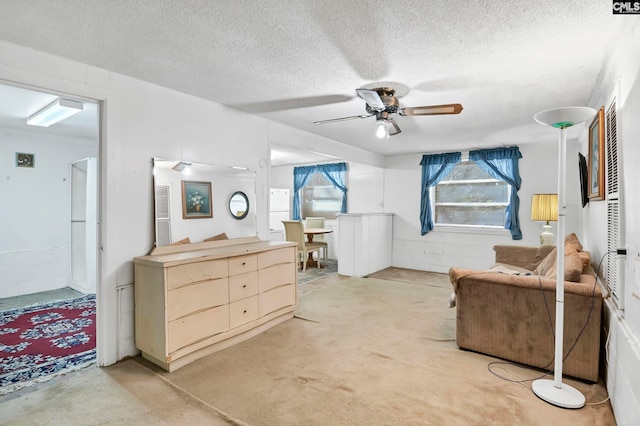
544,208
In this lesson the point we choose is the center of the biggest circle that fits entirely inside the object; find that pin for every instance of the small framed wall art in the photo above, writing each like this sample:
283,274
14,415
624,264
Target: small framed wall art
596,157
196,200
25,160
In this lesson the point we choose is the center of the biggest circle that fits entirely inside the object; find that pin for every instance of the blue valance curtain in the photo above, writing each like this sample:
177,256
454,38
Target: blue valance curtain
434,168
335,173
502,163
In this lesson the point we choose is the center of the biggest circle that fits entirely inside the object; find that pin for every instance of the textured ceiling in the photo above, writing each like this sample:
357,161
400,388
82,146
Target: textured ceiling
297,62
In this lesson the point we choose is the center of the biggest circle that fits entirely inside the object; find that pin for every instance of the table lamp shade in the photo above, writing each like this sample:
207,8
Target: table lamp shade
544,207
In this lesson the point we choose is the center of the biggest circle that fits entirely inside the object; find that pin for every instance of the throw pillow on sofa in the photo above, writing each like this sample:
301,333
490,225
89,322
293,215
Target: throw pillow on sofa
541,254
586,259
572,269
572,244
574,261
546,263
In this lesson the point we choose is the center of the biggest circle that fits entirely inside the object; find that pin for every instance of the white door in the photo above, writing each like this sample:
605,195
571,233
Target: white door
84,225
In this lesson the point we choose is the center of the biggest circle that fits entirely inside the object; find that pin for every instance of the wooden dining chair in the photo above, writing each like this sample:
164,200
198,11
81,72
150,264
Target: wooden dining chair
318,222
294,232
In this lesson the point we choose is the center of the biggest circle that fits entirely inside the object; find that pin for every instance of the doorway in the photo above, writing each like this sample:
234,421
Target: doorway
48,213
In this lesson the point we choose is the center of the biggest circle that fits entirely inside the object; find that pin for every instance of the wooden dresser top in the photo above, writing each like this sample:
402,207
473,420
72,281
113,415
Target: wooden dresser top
198,252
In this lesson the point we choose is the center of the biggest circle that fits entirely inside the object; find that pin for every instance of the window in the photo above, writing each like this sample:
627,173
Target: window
320,198
468,196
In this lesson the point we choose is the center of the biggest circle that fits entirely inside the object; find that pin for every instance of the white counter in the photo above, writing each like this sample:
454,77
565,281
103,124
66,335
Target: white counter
365,243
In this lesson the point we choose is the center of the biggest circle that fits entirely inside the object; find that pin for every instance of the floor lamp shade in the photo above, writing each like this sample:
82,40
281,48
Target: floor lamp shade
554,391
544,208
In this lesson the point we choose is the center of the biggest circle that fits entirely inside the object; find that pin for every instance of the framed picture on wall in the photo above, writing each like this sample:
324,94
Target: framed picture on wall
196,200
596,157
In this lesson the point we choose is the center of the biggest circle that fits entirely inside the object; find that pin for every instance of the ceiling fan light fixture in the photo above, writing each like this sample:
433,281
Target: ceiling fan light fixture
383,128
382,104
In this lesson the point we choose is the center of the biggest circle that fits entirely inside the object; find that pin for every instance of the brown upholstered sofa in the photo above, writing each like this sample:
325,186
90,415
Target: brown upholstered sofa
501,311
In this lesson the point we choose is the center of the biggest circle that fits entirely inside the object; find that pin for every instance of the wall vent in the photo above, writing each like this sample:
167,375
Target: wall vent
612,151
615,262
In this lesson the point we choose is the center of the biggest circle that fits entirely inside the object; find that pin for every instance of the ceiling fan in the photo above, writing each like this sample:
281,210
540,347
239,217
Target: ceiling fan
381,103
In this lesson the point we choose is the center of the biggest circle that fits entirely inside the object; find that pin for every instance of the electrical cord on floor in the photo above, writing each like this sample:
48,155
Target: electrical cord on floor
522,381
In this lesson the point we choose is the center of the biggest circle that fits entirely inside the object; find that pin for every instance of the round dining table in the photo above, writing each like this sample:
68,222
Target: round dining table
310,232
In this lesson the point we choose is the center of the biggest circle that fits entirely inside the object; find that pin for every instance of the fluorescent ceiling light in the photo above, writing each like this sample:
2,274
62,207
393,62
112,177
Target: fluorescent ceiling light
183,167
55,112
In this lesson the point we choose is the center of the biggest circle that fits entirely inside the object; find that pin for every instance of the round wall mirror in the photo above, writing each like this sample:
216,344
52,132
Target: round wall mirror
239,205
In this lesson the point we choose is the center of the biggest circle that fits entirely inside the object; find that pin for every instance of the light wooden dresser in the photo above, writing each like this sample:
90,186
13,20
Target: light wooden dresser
194,299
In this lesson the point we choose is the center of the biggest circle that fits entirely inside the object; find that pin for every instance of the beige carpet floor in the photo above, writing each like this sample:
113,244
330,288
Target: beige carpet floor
372,352
360,352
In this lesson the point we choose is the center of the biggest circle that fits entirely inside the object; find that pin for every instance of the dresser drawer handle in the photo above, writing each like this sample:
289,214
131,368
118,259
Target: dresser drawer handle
244,263
245,311
244,286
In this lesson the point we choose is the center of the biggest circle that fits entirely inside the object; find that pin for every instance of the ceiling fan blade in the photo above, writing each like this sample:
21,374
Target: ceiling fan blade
431,110
372,98
395,127
292,103
334,120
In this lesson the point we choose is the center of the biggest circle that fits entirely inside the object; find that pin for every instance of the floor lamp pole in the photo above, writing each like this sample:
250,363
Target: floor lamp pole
562,207
554,391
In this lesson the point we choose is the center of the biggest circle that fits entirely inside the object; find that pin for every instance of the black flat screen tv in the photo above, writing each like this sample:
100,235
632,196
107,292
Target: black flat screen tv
582,166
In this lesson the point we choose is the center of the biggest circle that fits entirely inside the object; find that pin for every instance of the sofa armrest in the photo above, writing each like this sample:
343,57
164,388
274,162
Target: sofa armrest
522,256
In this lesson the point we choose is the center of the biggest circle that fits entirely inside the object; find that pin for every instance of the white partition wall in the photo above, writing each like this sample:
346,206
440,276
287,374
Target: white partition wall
364,242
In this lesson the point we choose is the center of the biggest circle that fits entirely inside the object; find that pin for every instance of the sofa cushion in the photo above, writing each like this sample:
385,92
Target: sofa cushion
572,244
546,263
586,259
219,237
182,241
541,254
572,269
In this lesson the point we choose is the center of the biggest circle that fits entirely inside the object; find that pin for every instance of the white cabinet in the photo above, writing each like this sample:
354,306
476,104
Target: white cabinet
365,243
195,299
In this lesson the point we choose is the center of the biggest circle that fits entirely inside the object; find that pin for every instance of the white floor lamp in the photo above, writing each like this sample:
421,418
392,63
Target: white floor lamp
554,391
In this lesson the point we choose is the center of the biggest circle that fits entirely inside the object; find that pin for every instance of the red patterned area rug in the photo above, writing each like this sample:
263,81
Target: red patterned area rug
40,342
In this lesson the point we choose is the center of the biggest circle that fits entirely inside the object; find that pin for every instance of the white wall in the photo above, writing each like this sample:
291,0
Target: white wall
621,78
279,134
35,211
143,121
443,248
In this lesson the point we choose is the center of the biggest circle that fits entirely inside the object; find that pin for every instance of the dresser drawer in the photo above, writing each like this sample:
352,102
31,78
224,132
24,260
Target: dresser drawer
277,298
243,311
242,264
196,297
243,285
180,275
277,275
274,257
189,329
